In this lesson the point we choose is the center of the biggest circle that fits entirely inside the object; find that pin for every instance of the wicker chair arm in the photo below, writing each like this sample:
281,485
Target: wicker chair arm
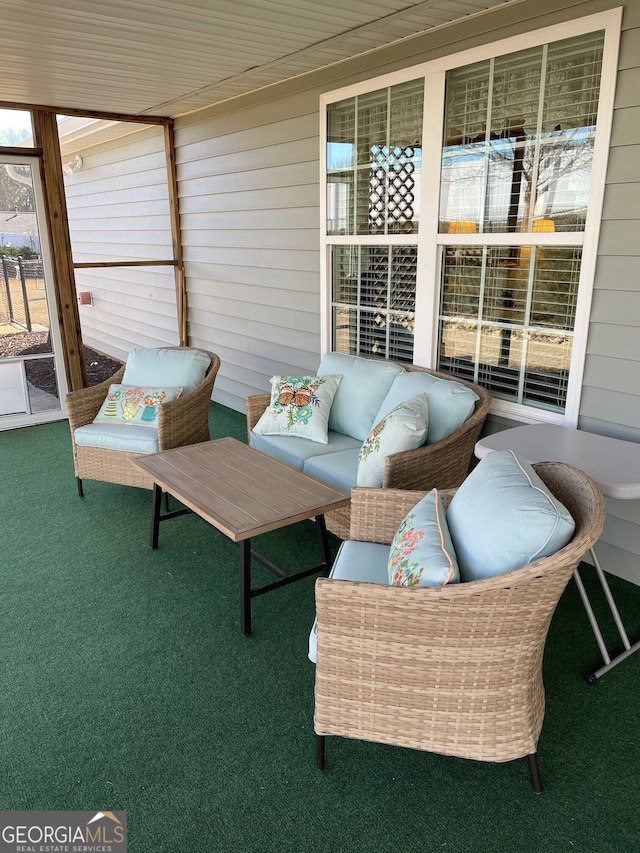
376,513
256,405
84,404
185,420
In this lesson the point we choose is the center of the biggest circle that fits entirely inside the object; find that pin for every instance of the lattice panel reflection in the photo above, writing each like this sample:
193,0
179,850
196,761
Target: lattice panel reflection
374,289
392,188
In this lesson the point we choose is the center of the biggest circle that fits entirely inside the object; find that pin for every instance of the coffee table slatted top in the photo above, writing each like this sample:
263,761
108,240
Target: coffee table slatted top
240,491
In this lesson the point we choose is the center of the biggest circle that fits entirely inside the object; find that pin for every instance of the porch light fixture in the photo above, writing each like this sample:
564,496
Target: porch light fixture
72,166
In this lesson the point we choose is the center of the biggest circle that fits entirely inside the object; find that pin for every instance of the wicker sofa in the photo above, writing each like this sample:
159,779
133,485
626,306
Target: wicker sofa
454,669
443,464
182,421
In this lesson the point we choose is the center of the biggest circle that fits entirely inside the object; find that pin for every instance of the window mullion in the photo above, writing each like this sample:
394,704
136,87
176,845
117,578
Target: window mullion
480,326
487,141
536,157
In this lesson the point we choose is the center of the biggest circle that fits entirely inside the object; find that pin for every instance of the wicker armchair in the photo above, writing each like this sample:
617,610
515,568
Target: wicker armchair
443,465
180,422
457,669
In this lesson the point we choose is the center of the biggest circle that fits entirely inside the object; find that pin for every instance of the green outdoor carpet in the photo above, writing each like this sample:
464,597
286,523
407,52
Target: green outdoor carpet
126,685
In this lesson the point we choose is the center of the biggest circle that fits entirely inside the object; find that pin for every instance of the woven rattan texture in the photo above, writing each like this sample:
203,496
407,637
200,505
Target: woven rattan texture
180,422
456,669
443,465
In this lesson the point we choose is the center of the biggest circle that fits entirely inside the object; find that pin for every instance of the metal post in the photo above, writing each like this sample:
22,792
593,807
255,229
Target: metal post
7,287
25,298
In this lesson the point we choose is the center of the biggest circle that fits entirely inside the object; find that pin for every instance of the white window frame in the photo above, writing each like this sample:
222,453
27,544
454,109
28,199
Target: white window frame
429,241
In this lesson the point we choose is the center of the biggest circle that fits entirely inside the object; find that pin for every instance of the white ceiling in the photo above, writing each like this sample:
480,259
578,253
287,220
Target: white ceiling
171,57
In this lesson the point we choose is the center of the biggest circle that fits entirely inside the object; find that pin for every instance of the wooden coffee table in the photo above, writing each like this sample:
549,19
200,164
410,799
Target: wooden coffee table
241,492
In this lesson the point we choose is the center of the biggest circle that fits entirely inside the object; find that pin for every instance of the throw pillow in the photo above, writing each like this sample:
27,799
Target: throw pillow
129,404
422,553
404,428
160,366
503,517
300,405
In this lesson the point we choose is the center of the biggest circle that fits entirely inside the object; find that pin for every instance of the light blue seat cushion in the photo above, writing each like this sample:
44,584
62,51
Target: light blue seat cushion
355,561
125,437
365,383
294,451
155,366
503,517
339,469
450,402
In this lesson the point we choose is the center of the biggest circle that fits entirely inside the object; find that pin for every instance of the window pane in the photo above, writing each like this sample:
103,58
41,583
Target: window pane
16,128
519,134
339,202
374,300
374,151
507,319
43,384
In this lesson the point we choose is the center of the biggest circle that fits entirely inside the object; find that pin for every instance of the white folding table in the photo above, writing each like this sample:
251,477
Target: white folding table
612,463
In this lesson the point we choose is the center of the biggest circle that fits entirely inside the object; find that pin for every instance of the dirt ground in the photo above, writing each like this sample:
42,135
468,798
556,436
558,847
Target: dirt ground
40,374
15,342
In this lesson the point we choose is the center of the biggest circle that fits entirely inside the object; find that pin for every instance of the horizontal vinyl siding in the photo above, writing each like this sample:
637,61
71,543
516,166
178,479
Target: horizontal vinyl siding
249,214
118,210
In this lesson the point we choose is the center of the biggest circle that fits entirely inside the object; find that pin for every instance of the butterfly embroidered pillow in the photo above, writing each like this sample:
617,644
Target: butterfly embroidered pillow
300,406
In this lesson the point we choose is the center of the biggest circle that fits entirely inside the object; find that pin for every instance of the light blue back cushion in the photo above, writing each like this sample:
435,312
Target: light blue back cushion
365,383
124,437
339,470
503,517
355,561
161,367
294,451
450,402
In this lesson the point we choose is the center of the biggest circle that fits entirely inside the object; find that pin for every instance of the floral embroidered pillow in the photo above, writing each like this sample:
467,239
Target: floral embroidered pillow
404,428
300,405
422,553
135,405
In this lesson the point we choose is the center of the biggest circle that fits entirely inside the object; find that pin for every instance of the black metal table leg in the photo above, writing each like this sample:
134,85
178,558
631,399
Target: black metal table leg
245,587
155,514
325,549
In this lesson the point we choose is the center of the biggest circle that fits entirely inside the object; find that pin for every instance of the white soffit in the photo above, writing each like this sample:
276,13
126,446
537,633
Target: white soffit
171,57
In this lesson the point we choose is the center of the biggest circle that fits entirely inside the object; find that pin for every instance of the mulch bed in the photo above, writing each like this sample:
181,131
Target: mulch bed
40,373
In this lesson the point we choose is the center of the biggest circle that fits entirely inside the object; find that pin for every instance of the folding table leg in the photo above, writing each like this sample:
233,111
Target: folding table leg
629,649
